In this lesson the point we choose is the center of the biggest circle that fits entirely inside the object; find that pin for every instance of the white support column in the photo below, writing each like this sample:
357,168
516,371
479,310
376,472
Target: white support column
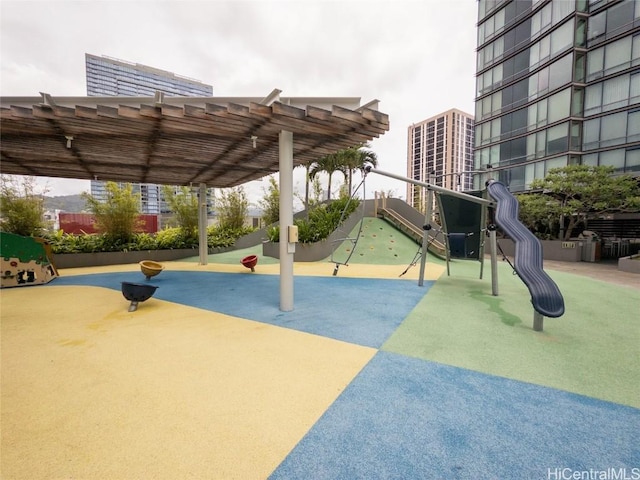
203,248
286,219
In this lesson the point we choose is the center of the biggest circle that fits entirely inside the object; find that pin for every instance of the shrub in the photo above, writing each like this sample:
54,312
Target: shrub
87,243
117,216
270,203
183,203
173,238
167,239
233,207
145,241
21,206
322,221
221,236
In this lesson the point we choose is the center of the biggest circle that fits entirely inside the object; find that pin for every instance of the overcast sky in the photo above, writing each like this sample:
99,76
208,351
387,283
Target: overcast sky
416,56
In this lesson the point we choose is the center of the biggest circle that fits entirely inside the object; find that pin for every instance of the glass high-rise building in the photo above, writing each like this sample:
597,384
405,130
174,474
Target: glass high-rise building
108,76
558,83
439,151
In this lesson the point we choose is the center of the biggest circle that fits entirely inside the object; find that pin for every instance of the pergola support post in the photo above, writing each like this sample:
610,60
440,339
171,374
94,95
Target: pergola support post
287,249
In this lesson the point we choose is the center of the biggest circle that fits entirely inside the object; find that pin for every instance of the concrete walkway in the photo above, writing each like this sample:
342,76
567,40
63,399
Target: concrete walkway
605,271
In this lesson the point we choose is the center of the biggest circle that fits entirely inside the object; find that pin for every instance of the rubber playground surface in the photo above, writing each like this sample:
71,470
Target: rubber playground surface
369,377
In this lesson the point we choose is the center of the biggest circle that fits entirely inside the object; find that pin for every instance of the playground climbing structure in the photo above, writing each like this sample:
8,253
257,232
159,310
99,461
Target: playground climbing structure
25,261
464,223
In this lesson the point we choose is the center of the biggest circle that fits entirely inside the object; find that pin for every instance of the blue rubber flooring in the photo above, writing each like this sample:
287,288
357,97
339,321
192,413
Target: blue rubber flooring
405,418
360,311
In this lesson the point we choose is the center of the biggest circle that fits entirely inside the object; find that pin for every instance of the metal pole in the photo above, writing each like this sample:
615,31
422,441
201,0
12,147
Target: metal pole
483,236
435,188
538,320
494,259
425,237
375,205
203,247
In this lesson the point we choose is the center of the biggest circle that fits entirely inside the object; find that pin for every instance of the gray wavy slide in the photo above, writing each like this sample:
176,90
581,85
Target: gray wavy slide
545,294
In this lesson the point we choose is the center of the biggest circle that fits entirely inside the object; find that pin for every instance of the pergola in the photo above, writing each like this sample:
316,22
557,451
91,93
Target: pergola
198,141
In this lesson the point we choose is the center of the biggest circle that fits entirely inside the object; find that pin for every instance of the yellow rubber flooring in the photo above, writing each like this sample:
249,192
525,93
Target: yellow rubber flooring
90,390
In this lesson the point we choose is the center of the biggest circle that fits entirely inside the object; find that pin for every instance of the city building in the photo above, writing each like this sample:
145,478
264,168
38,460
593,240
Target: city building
108,76
440,152
558,83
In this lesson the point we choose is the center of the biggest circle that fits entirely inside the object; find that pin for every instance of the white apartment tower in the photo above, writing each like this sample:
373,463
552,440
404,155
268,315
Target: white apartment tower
440,152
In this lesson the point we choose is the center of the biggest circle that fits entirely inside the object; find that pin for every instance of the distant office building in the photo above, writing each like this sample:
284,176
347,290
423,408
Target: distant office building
558,83
112,77
151,198
439,151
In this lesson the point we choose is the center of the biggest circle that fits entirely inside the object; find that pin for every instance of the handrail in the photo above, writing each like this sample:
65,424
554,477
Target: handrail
435,246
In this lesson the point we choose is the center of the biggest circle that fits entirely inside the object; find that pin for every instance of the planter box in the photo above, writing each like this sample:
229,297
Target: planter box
629,264
260,236
75,260
312,252
551,249
305,252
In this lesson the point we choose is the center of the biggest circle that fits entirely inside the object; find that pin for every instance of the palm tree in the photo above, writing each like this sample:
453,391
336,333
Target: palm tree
357,158
329,164
307,167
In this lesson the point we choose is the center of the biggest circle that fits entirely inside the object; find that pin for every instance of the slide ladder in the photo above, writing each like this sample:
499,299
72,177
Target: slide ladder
545,294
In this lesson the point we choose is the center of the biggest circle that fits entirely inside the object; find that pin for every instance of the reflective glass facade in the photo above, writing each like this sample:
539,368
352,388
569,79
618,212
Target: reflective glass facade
557,83
439,149
111,77
151,198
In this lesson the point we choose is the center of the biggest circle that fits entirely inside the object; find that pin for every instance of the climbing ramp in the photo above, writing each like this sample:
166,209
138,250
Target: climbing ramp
413,231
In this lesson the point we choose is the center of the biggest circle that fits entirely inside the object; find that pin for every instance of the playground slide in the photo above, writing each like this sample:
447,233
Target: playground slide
545,294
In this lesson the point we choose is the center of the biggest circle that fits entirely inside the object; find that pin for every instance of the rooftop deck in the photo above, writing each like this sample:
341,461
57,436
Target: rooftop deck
371,376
